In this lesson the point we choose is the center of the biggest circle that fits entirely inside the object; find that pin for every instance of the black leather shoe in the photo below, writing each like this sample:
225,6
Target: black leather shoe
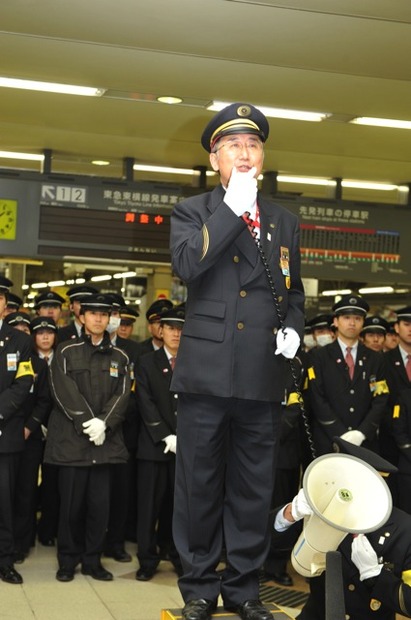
251,610
198,609
145,574
119,555
97,572
65,573
19,557
283,579
10,575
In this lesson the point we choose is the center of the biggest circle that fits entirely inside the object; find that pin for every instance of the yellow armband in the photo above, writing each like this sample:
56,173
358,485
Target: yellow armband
293,399
380,387
24,369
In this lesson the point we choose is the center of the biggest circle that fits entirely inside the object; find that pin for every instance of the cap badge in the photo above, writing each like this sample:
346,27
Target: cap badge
375,321
244,110
353,301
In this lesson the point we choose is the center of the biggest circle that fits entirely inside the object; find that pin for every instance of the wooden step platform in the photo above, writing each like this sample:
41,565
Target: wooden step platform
222,614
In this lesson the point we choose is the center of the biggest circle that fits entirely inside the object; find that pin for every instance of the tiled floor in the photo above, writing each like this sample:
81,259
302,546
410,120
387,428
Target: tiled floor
41,597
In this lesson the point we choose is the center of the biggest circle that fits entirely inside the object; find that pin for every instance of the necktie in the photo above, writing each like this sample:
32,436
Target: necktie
172,362
46,359
408,367
349,360
253,225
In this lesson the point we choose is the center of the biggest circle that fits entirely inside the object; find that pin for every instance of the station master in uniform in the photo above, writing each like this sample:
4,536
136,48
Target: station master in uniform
229,375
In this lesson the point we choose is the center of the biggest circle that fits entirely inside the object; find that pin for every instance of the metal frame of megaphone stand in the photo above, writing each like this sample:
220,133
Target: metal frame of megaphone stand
334,588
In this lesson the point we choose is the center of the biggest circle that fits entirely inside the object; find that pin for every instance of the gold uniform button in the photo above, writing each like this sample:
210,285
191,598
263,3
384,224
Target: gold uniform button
240,325
351,587
243,293
280,298
236,259
272,225
275,330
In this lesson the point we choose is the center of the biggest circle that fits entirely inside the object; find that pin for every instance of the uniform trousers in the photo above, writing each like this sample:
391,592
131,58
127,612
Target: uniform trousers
8,474
224,480
155,481
120,493
27,495
84,512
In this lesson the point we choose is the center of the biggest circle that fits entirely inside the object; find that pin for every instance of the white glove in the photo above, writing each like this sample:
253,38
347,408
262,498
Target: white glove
288,342
300,508
365,558
355,437
171,444
94,428
241,192
100,439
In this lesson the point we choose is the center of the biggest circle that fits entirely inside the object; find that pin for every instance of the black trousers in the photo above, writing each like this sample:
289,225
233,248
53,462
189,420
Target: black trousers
120,495
49,502
27,495
84,511
155,484
9,464
224,480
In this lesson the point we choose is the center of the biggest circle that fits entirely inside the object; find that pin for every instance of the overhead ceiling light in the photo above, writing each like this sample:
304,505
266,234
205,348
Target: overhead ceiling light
100,278
39,285
295,115
283,178
26,156
51,87
100,162
56,283
330,293
169,100
124,274
168,170
376,289
385,187
381,122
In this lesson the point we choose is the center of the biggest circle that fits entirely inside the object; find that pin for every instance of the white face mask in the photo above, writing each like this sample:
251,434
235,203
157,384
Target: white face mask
309,341
324,339
113,324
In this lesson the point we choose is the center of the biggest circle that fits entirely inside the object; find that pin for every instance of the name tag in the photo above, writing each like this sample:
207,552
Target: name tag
11,362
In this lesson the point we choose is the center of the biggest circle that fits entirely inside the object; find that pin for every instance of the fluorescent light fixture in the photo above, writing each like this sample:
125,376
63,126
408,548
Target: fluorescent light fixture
26,156
392,123
57,283
283,178
385,187
169,100
295,115
80,280
124,274
343,291
375,289
100,162
100,278
39,285
51,87
168,170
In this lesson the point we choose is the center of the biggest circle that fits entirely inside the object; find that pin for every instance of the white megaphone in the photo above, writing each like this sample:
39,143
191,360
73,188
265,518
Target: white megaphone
347,496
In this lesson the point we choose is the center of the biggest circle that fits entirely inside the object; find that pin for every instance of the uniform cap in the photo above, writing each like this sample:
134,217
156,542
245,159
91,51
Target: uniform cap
17,318
81,290
375,325
321,320
233,119
5,284
372,458
14,301
173,316
99,302
42,322
404,314
128,314
351,304
117,301
157,308
48,299
391,328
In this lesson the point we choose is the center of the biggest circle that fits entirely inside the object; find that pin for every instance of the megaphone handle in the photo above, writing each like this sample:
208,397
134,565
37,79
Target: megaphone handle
292,367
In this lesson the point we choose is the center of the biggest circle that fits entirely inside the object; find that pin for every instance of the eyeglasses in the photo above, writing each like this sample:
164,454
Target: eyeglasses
235,147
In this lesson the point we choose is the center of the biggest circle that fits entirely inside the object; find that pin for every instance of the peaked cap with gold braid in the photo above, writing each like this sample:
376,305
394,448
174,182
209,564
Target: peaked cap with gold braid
235,118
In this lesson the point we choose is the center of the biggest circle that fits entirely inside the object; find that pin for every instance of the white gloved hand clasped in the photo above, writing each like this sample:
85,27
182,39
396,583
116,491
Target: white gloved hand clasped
300,507
354,437
241,193
94,428
171,444
288,342
365,558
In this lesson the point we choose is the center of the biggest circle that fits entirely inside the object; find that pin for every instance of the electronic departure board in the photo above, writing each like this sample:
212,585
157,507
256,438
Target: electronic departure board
50,216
